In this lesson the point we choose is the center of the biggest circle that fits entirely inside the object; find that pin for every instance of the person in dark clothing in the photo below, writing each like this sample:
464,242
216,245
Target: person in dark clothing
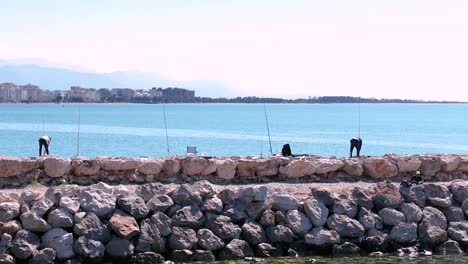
355,143
44,141
286,150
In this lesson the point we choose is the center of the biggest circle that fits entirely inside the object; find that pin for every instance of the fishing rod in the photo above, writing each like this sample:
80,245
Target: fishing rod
165,125
78,135
359,117
268,128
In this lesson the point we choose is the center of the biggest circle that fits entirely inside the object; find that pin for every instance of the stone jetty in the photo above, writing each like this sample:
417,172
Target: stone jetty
202,221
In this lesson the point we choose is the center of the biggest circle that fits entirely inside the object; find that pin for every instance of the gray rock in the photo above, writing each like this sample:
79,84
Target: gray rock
119,248
213,205
280,218
430,165
53,194
189,216
246,194
283,202
205,188
316,211
29,196
260,194
255,210
46,255
253,233
24,244
182,238
78,217
208,240
60,218
345,226
236,249
149,190
389,199
150,239
391,217
438,195
465,207
124,225
173,209
376,241
324,196
11,227
163,223
459,190
412,212
345,206
370,220
268,218
7,259
265,250
146,258
9,211
134,206
186,195
61,241
322,237
89,249
434,217
449,247
414,194
404,233
70,204
159,203
5,243
454,214
96,201
431,235
223,227
41,206
458,231
226,195
345,249
279,233
92,228
182,256
34,223
362,198
298,222
203,256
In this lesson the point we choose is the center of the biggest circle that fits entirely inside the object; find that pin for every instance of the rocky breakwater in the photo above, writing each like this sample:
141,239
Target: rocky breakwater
82,170
205,222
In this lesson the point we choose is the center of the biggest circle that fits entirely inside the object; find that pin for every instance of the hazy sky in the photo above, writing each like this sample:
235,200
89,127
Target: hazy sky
393,49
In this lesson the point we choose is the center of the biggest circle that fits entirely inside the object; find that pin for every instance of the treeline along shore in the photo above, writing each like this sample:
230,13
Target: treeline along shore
199,220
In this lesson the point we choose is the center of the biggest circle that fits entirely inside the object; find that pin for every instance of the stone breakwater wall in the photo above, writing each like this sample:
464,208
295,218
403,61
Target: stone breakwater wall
20,170
197,222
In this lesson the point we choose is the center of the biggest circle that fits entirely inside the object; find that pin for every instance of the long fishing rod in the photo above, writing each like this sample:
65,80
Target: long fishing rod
268,128
359,117
165,125
78,136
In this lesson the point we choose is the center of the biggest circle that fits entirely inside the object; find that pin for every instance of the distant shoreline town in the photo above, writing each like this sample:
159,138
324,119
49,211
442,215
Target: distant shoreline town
30,93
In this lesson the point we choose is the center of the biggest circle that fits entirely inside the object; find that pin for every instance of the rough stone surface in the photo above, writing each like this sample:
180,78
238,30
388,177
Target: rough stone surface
134,206
284,202
149,166
162,222
449,247
150,238
208,240
407,163
321,237
97,201
159,203
353,167
61,241
182,238
213,205
391,217
316,211
24,244
226,169
434,217
279,233
92,228
10,227
298,222
345,226
60,217
120,248
267,167
459,190
458,231
438,195
362,198
124,225
346,249
186,195
414,193
89,249
189,216
412,212
379,168
223,227
404,233
298,168
70,204
431,235
345,206
253,233
46,255
430,166
454,214
149,190
32,222
9,211
56,167
236,249
370,220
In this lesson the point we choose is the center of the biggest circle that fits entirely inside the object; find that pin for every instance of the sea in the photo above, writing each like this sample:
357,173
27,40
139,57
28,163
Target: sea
154,130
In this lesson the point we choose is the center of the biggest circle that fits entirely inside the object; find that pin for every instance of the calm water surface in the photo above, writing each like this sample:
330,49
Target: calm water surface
233,129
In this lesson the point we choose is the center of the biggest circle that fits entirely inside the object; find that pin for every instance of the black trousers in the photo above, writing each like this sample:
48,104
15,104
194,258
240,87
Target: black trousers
42,142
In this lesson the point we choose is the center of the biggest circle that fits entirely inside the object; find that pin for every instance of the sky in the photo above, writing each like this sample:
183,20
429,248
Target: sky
410,49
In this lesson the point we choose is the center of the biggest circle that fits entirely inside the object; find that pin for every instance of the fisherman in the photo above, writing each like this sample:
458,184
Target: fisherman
44,141
356,142
286,150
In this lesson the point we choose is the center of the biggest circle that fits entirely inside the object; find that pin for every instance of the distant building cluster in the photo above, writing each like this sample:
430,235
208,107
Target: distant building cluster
29,93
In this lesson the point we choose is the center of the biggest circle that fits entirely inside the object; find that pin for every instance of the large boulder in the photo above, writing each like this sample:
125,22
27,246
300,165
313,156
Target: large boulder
324,165
458,231
345,226
223,227
412,212
46,255
246,168
345,206
89,249
449,247
60,217
430,165
170,167
379,168
71,205
298,222
454,214
97,201
362,197
450,163
32,222
61,241
431,235
226,169
182,238
283,202
438,195
208,240
459,190
83,166
407,163
13,226
189,216
120,248
150,238
391,217
192,166
162,222
346,249
41,206
124,225
298,168
253,233
386,195
236,249
434,217
353,167
24,244
316,211
414,193
370,220
159,203
279,233
56,166
146,258
9,211
133,205
267,167
16,166
321,237
213,205
404,233
149,166
186,195
91,227
149,190
118,164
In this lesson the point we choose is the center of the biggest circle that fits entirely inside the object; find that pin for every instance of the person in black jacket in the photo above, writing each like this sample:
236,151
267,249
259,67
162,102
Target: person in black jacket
355,143
44,141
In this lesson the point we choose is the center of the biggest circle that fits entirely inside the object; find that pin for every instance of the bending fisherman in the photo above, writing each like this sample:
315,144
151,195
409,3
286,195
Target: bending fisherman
44,141
355,142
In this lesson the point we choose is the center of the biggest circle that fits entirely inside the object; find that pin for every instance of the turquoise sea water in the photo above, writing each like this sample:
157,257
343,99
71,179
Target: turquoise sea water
233,129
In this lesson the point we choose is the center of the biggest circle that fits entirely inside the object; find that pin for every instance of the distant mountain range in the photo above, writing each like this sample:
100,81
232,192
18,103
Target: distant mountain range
49,76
